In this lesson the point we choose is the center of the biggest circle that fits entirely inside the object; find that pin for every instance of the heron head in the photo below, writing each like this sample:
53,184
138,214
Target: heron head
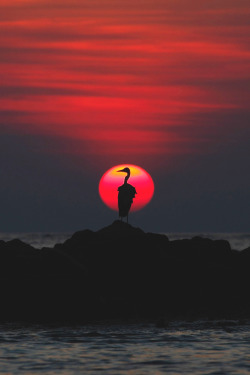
126,170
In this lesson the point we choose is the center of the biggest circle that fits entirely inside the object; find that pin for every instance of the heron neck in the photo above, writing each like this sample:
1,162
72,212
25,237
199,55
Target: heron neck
126,178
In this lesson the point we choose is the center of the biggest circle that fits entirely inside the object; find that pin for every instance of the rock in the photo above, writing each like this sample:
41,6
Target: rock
121,271
120,229
200,250
245,253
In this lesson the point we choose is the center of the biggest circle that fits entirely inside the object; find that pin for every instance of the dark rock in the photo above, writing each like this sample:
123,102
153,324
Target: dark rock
19,248
78,239
246,252
121,271
119,229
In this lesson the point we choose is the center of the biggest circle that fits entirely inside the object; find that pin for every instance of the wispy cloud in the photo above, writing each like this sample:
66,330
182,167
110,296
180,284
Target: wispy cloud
122,76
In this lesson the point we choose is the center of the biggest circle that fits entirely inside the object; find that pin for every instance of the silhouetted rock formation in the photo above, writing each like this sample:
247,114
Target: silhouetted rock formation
120,272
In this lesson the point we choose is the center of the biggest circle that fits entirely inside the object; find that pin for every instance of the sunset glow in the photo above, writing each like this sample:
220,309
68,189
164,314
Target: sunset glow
87,84
119,77
139,178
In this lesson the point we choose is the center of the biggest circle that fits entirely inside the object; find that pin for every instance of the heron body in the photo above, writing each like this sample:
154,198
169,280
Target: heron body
126,194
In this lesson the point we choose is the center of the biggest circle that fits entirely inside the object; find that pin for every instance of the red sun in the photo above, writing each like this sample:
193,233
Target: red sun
139,178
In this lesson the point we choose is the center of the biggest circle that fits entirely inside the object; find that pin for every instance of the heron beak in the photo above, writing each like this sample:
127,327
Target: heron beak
121,170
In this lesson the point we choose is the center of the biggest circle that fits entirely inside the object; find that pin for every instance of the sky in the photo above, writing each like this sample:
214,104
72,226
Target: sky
89,84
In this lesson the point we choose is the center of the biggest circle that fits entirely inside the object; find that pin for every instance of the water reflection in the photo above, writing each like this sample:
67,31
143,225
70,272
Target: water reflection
190,348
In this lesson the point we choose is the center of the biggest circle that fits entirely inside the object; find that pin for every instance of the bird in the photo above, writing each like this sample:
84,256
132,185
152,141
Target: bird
126,193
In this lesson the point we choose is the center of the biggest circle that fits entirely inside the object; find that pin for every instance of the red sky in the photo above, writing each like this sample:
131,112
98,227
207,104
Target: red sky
147,82
135,77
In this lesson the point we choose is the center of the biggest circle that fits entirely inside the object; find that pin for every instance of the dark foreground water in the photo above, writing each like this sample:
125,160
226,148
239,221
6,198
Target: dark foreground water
201,347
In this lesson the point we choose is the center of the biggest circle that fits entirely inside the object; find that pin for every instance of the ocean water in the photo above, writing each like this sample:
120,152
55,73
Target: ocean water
37,240
202,347
238,241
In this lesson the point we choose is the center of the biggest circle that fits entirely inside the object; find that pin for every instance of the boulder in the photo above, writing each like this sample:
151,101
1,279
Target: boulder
121,271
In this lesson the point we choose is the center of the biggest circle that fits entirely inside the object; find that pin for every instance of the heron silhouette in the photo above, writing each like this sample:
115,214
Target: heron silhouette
126,193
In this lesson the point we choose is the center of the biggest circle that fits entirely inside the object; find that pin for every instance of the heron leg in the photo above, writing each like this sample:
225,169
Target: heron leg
127,219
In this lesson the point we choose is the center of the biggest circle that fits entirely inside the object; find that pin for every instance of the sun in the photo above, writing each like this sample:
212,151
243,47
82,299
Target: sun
139,178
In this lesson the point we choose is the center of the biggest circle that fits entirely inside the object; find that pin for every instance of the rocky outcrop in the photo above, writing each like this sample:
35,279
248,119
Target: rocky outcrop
120,272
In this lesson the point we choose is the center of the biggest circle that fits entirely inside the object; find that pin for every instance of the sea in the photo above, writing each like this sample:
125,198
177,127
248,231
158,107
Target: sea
112,348
212,347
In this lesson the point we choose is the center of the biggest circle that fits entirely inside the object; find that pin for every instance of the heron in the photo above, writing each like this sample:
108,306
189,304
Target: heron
126,193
